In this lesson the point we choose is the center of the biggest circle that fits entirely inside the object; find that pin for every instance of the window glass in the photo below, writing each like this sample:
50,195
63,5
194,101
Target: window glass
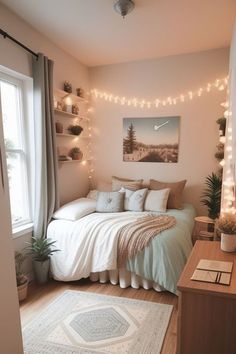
15,146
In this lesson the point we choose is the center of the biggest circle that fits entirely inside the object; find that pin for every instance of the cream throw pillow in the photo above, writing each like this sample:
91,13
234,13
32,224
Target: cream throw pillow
118,183
75,210
157,200
134,200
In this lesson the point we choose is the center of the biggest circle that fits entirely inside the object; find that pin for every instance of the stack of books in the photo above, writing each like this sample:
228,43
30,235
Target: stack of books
210,271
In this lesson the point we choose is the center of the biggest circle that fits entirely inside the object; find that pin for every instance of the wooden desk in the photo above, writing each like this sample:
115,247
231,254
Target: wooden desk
207,312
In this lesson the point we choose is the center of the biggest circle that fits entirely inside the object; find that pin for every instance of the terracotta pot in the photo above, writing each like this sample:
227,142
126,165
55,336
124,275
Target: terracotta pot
22,290
77,156
228,242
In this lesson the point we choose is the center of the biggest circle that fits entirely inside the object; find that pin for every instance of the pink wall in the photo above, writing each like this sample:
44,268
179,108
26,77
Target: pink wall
73,179
163,77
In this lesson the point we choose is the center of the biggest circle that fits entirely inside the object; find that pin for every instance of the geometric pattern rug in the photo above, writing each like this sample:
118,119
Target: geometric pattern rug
88,323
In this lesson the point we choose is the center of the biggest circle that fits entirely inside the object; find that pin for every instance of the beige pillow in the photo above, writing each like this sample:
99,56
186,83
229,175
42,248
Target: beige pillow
93,194
157,200
176,191
118,183
104,186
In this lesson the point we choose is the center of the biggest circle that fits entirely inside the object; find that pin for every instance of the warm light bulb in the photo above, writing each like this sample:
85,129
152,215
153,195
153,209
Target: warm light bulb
221,87
208,87
199,92
222,163
190,95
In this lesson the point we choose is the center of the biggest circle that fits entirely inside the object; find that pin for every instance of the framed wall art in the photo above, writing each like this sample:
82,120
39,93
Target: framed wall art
151,139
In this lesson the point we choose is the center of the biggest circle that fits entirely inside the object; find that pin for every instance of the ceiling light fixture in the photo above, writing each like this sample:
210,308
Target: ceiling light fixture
123,7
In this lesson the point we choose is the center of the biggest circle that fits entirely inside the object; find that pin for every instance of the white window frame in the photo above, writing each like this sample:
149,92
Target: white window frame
25,86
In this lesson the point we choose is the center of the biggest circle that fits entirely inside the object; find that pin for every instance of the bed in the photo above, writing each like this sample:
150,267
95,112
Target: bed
89,249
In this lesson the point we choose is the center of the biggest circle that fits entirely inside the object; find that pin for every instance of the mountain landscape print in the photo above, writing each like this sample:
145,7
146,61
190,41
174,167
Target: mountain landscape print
151,139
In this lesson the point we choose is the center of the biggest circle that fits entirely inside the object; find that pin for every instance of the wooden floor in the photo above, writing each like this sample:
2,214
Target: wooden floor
40,296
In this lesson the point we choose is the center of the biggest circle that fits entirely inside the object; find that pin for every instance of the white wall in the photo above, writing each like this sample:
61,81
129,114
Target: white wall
163,77
73,180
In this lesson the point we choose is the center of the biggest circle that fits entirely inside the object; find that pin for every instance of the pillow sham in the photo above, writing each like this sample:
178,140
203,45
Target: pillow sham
157,200
134,200
118,183
110,202
176,191
75,210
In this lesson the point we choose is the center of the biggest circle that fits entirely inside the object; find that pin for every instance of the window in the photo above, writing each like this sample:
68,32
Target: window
13,115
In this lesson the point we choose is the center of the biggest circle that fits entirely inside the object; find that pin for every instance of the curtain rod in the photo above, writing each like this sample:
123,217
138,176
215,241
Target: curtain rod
6,35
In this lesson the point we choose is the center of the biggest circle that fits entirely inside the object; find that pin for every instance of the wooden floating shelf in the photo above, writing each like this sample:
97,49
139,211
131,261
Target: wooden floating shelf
72,161
73,136
63,94
69,115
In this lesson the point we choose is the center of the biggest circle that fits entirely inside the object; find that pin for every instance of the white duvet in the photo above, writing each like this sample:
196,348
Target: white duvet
87,245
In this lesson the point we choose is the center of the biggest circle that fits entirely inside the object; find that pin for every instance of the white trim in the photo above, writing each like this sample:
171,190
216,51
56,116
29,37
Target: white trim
22,230
24,85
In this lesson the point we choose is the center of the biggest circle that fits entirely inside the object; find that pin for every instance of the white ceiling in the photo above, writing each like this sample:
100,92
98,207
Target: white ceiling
94,33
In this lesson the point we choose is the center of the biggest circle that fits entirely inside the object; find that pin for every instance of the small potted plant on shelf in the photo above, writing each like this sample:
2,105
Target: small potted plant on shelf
67,87
226,224
75,129
80,92
41,250
21,279
75,153
75,109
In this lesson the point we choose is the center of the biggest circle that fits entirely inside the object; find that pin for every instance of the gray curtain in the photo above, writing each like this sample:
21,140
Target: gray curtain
46,181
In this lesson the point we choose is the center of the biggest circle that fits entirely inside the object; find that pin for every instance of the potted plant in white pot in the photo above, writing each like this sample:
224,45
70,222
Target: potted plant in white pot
227,226
41,249
21,279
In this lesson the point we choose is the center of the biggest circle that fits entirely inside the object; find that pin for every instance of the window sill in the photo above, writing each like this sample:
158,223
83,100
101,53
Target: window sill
22,230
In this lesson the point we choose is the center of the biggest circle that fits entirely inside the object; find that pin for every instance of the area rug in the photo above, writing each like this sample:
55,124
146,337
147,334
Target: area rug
82,322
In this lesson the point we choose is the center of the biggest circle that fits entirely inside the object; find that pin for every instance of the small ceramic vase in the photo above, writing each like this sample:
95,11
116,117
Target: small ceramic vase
228,242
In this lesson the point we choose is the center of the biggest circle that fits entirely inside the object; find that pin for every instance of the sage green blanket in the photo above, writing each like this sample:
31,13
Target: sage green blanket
165,257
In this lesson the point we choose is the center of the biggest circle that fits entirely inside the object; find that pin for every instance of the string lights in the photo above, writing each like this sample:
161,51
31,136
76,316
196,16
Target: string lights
228,190
218,84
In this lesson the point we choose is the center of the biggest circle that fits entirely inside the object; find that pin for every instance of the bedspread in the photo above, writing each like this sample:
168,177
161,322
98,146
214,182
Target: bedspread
90,245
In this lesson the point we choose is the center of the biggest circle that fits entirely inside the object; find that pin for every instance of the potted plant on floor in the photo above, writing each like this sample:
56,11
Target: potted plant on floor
211,196
41,249
21,279
227,226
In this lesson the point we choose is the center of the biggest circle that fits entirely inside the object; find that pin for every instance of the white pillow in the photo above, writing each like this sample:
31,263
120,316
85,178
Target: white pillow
76,209
157,200
134,200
